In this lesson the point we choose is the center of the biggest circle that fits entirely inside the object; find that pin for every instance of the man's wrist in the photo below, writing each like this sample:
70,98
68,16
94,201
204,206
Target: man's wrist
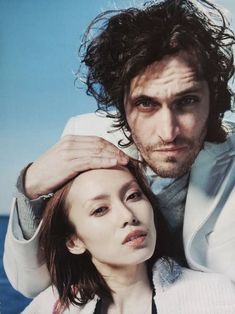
21,180
28,211
20,185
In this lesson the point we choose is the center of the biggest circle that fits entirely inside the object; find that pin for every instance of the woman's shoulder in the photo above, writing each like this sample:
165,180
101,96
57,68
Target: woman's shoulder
43,303
47,300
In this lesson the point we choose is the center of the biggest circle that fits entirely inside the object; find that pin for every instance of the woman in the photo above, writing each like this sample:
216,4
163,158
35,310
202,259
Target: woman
99,240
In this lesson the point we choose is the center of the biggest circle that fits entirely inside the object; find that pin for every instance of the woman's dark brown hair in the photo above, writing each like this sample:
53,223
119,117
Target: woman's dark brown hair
75,276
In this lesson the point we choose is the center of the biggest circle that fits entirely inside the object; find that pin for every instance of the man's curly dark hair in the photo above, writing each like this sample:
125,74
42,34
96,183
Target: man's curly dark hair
129,40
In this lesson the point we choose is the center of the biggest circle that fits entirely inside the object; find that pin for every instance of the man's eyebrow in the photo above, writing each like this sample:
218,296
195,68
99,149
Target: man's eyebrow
134,97
194,89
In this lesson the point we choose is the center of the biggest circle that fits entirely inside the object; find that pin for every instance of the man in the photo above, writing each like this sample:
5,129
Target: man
165,68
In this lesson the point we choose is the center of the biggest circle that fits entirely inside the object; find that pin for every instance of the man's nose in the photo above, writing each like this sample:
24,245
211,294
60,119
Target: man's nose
168,126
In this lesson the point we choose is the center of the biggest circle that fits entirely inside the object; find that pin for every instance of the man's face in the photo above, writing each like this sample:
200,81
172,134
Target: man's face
167,107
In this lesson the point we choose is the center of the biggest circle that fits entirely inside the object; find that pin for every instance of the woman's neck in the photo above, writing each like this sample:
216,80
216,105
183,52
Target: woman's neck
132,292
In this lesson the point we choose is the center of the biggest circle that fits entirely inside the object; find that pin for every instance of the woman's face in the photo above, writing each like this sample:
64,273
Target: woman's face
113,219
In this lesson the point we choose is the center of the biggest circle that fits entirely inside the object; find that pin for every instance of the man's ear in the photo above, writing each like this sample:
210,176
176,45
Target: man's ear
75,245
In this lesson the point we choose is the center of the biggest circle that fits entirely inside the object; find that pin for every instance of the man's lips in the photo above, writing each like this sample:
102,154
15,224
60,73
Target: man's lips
170,149
137,235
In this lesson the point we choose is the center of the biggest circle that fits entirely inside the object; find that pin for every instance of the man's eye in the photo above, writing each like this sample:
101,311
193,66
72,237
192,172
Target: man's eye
187,101
134,196
100,211
145,104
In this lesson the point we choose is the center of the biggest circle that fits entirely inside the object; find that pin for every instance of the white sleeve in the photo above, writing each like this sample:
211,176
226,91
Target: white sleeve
44,303
23,263
100,125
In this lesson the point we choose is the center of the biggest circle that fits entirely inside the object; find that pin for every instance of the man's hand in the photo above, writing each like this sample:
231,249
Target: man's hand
71,155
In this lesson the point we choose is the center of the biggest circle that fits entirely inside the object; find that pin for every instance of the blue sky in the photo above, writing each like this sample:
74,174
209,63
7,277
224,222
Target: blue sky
39,42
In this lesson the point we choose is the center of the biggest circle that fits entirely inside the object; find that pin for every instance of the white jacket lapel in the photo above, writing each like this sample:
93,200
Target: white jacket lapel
204,193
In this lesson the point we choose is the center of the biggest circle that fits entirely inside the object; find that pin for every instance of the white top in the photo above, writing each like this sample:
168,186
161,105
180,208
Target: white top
177,291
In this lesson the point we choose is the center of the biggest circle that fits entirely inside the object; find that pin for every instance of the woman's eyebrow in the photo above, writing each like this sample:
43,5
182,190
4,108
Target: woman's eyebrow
128,185
104,196
98,197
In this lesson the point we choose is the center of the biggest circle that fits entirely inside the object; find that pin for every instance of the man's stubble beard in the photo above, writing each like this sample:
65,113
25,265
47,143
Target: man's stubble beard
179,168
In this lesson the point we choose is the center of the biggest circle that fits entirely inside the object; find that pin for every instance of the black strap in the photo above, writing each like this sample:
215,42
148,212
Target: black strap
154,308
98,307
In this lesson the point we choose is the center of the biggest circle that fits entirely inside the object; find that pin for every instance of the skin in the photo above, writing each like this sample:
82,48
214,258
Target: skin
112,205
70,156
167,107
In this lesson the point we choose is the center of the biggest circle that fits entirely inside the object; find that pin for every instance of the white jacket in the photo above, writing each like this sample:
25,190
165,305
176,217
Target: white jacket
209,223
177,291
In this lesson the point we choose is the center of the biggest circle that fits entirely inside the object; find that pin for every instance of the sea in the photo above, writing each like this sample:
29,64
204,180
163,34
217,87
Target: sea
11,302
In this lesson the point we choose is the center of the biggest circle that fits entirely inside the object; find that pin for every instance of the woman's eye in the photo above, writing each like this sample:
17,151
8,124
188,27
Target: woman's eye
134,196
100,211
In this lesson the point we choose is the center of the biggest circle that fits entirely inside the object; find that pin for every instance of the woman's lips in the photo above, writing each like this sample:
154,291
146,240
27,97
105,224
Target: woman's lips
135,238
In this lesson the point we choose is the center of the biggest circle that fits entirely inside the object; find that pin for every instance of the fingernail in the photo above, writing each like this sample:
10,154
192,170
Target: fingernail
113,161
125,159
123,155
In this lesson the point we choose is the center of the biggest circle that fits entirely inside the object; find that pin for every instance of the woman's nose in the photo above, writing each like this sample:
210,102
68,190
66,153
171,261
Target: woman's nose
133,222
126,216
